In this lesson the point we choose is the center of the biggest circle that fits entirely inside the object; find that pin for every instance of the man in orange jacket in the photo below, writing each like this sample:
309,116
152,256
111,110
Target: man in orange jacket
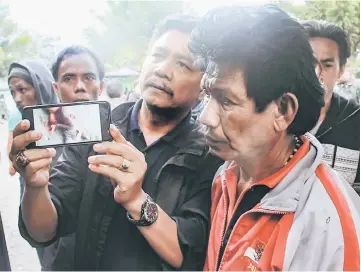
275,205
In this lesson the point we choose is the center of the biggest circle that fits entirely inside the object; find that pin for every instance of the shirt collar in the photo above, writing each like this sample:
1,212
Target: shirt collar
170,136
134,115
179,129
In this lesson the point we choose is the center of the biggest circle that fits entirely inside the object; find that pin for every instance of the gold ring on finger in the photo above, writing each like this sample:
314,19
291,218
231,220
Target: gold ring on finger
125,165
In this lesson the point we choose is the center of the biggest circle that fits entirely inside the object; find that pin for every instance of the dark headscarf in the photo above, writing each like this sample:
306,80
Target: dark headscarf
39,76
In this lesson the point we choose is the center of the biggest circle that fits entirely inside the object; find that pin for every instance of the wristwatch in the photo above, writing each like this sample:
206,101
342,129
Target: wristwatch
148,214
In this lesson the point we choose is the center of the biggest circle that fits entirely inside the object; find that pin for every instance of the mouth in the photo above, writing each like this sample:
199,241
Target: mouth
215,146
81,97
213,141
81,100
161,88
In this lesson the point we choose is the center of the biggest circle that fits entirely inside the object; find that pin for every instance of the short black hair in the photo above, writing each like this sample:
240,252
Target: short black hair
76,50
273,51
181,22
114,88
323,29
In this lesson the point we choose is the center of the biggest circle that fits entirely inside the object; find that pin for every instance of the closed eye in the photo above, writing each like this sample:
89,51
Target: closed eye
182,64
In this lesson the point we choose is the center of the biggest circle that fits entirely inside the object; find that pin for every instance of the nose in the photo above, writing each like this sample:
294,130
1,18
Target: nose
319,72
322,81
80,86
210,114
164,70
17,98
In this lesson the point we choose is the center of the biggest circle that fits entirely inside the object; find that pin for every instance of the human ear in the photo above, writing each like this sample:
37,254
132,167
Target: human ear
287,107
342,71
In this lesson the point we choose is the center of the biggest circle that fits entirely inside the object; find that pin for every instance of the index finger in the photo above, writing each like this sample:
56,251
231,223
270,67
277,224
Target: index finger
21,128
22,140
117,136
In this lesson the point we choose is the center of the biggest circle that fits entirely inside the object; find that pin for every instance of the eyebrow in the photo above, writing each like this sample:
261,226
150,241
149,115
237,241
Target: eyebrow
90,74
68,74
328,60
218,90
161,48
16,85
180,56
74,74
177,55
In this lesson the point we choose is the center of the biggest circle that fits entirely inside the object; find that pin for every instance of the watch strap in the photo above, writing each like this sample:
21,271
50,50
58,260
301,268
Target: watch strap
142,222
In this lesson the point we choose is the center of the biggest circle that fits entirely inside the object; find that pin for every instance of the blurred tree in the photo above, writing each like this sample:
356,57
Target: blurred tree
16,44
45,48
125,30
345,14
13,42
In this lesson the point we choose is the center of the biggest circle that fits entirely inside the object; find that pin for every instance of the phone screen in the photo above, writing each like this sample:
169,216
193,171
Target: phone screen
69,124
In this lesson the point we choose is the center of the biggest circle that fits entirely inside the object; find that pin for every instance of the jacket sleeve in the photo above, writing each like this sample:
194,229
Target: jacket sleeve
65,186
193,218
324,235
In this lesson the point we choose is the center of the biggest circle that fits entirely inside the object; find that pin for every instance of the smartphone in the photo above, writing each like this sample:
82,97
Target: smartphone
69,123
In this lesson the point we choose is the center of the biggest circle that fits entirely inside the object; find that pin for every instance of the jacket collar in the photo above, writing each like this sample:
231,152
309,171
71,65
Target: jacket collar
288,183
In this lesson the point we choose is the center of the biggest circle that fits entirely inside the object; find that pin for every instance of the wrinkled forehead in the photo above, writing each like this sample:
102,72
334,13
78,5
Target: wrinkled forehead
172,41
78,64
17,81
220,74
324,48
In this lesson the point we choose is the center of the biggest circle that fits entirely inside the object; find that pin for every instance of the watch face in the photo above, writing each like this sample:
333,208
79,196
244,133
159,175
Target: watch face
151,212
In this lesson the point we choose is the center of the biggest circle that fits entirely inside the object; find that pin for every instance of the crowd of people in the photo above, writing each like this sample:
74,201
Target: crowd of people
235,153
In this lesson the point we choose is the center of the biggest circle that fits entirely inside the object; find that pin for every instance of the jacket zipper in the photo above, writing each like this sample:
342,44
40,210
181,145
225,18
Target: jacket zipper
254,210
334,156
223,233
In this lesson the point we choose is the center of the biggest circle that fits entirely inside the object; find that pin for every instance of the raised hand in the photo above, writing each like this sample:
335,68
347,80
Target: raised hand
124,164
33,165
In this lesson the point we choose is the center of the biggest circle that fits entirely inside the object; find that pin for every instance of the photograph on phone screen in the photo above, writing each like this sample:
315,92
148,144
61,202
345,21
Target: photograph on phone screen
68,124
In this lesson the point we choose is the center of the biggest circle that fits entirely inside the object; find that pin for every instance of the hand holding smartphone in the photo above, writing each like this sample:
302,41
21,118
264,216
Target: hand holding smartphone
69,123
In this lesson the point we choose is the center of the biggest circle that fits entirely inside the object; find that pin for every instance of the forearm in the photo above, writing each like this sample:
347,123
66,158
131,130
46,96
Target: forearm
39,214
162,235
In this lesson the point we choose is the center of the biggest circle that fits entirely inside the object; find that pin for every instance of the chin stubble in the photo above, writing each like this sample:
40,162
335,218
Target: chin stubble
166,114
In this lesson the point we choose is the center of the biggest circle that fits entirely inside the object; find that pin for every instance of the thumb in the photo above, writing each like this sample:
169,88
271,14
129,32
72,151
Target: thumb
12,171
